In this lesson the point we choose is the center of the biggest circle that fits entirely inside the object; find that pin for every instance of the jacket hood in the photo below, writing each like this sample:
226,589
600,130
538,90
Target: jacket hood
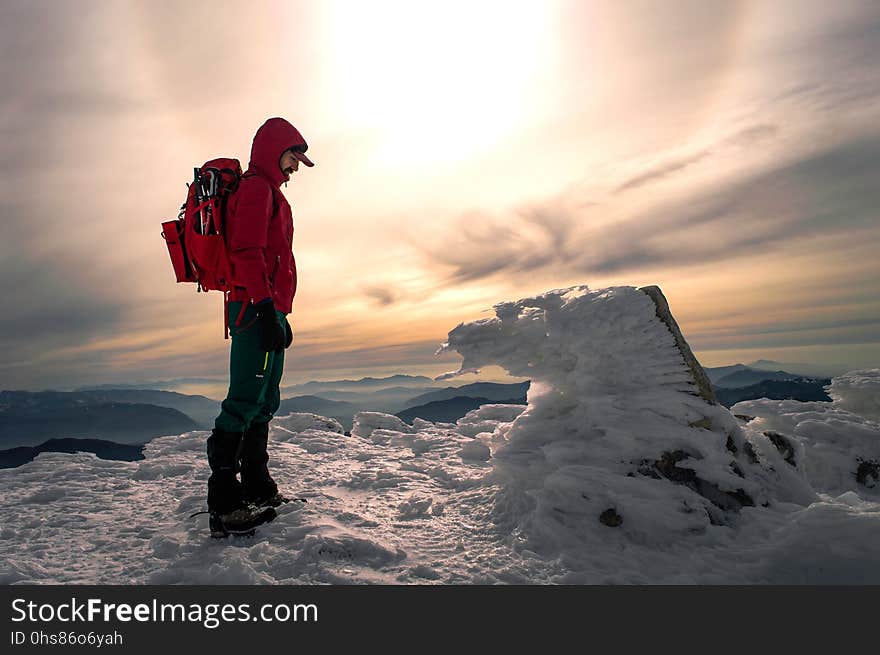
274,137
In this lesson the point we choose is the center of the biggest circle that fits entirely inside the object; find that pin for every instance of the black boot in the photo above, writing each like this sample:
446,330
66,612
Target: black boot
224,489
229,513
242,521
258,487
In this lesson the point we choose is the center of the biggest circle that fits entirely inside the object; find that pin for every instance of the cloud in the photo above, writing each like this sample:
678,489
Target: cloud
746,137
47,311
752,135
787,328
664,170
857,332
383,296
831,191
416,352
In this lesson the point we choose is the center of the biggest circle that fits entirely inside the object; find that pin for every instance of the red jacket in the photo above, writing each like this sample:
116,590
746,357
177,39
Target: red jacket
259,229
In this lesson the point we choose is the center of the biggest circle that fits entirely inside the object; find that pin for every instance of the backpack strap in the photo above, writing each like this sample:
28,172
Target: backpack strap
244,306
226,314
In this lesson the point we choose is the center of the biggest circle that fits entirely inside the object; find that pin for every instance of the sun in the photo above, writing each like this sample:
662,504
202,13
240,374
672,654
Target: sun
435,82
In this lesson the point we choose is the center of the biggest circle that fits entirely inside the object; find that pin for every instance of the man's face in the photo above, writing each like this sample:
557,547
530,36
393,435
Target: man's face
289,163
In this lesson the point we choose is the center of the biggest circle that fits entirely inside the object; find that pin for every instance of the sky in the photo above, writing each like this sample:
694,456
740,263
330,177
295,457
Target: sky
467,153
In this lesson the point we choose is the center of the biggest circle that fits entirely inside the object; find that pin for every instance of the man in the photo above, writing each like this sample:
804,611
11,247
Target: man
259,237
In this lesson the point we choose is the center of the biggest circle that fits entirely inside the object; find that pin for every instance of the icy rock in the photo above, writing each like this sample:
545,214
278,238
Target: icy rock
420,424
422,571
413,508
857,392
365,422
785,447
312,441
830,444
673,466
611,518
299,422
487,418
700,379
868,473
614,385
475,450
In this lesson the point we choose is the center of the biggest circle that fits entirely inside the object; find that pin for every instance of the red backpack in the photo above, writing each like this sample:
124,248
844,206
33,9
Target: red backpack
196,239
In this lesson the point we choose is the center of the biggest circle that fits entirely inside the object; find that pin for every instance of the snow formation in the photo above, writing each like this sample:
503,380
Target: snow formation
620,469
857,391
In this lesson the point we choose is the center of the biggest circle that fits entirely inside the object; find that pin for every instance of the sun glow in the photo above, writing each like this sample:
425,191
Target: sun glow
437,82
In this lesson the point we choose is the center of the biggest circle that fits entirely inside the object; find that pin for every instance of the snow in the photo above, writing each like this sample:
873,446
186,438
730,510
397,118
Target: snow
830,442
614,428
858,392
475,450
365,423
304,421
487,418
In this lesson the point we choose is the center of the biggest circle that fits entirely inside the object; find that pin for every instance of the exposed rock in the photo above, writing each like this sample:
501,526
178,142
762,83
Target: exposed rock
730,445
783,445
744,417
737,470
749,450
701,380
475,450
868,472
704,423
611,518
667,467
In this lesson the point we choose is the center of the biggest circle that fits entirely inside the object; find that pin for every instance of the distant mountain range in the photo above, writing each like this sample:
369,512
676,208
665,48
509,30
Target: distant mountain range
14,457
357,385
490,391
447,404
450,410
746,377
793,369
199,408
803,389
341,411
389,399
28,418
741,382
126,414
805,370
155,385
800,368
717,372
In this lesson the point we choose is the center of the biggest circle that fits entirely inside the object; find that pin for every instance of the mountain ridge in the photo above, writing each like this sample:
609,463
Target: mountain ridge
101,448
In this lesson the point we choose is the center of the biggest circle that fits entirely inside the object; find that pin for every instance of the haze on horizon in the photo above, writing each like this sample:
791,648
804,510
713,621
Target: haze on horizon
466,153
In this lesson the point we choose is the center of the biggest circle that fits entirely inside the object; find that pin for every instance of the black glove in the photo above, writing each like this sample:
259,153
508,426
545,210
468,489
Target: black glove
272,335
289,333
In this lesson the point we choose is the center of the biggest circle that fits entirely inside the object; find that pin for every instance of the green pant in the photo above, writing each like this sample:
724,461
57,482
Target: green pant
254,374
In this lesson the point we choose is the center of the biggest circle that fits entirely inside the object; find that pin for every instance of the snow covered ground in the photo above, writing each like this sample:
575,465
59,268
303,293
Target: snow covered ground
617,471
